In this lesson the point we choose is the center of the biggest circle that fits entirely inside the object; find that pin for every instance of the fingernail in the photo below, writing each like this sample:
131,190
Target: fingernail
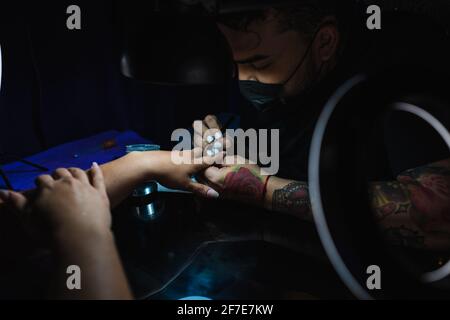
210,139
4,195
213,194
218,145
216,152
94,165
218,135
210,153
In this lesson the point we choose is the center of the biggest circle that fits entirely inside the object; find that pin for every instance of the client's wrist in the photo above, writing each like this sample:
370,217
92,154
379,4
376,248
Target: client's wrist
76,237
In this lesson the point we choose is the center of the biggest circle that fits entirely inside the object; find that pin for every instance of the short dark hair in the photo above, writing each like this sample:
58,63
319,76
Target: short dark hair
304,16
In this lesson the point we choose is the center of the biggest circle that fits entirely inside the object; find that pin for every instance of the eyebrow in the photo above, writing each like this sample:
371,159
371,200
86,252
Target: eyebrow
253,59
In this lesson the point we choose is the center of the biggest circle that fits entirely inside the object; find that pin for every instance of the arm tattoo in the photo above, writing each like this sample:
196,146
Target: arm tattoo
415,210
245,185
389,198
293,198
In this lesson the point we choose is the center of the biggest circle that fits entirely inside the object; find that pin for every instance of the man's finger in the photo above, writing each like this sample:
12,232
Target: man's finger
45,181
215,159
212,122
203,191
213,174
200,127
198,141
98,181
79,174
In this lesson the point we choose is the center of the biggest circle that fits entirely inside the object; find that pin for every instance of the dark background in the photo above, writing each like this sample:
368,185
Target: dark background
61,85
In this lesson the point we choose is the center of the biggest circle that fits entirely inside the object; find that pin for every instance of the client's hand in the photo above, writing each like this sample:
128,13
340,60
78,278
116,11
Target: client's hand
175,170
69,202
74,201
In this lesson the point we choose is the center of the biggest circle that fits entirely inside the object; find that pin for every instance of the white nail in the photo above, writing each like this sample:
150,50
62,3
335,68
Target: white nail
216,151
218,135
210,139
218,145
210,153
213,194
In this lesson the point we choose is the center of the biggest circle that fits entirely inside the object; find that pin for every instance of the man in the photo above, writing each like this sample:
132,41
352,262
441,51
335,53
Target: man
290,60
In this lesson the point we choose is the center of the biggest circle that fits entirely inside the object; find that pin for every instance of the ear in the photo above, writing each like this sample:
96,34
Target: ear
327,42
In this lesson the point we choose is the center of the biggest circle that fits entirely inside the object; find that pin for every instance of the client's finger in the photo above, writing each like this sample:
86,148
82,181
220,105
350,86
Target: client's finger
79,175
18,200
61,173
203,191
45,181
98,181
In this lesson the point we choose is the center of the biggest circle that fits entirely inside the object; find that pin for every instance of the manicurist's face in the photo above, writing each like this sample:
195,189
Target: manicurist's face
265,54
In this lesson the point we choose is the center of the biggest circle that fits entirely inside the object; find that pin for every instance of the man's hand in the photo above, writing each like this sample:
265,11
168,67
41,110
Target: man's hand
237,179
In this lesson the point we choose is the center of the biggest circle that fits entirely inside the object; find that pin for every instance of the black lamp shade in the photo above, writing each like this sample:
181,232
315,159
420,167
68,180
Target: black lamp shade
176,50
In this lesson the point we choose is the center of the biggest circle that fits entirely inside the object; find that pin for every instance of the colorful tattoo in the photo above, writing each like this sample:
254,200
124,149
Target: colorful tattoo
415,211
293,198
389,198
244,184
429,193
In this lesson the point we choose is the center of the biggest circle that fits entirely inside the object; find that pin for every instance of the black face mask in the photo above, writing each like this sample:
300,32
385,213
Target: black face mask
262,95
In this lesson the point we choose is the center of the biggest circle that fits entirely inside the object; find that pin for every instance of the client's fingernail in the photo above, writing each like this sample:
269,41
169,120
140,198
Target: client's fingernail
218,145
218,135
94,165
216,152
210,153
213,194
4,195
210,139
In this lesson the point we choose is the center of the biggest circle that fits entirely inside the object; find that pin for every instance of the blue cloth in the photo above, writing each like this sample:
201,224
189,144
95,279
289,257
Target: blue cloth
101,148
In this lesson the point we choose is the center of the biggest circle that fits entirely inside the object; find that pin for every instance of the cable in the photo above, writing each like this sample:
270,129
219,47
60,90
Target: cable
187,265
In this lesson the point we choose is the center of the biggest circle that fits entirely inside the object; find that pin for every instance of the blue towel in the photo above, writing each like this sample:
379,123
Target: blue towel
101,148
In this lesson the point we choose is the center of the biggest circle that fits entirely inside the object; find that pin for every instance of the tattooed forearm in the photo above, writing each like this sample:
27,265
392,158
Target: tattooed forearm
389,198
245,185
415,210
293,199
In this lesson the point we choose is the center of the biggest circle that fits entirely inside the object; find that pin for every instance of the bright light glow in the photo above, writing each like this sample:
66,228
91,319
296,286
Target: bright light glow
195,299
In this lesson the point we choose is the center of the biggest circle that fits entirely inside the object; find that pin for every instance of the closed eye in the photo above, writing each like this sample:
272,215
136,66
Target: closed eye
261,66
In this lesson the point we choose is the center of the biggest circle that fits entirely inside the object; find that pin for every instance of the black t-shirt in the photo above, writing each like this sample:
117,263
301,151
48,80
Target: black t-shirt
408,142
296,121
411,142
